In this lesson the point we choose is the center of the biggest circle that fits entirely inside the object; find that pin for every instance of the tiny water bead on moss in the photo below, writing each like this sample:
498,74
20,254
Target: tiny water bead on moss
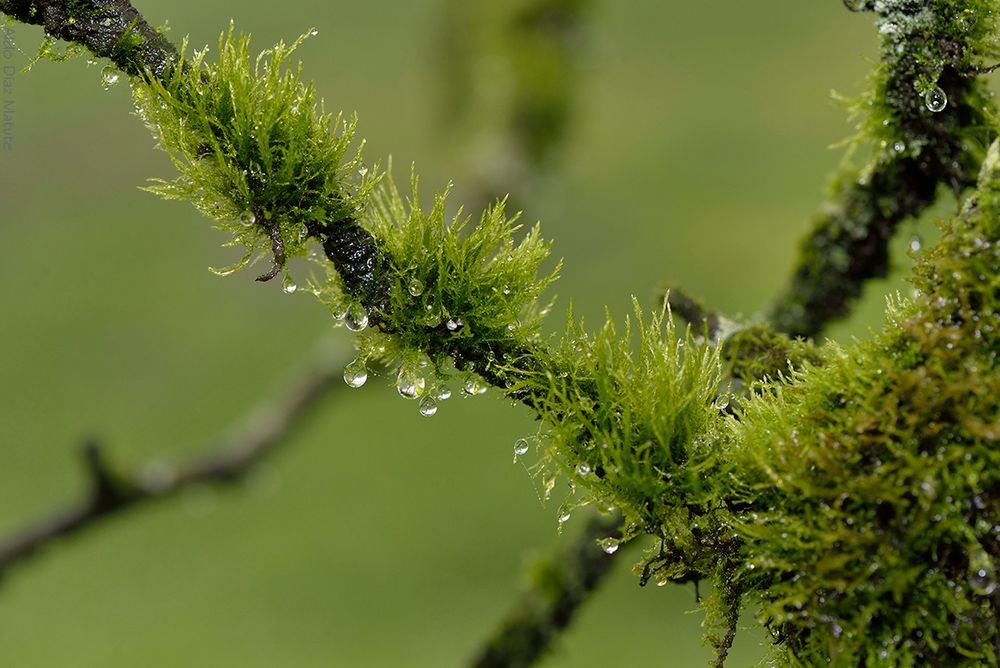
936,99
520,448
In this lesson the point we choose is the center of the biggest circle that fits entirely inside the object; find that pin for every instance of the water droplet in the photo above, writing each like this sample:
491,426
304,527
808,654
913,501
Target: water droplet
520,447
722,402
982,573
428,406
288,286
314,32
109,76
549,484
409,383
563,514
356,317
416,288
583,469
248,218
442,393
899,147
338,315
856,5
433,318
506,289
356,373
609,545
303,232
363,171
473,386
936,99
915,243
454,324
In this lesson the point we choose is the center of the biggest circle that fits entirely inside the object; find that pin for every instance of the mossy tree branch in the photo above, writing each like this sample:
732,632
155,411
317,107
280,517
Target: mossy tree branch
883,456
558,584
930,123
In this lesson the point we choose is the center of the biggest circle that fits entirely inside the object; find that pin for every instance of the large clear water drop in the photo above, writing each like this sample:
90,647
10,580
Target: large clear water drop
356,317
356,373
936,99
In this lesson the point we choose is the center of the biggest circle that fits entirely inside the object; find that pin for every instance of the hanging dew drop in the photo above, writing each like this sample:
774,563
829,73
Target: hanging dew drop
563,514
609,545
454,324
549,484
936,99
109,76
428,406
856,5
248,218
416,288
442,393
409,383
289,286
356,317
583,469
356,373
722,402
520,448
314,32
473,386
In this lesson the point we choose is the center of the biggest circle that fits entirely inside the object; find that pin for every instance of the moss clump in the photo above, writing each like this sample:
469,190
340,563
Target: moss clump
255,149
457,290
758,353
876,478
631,427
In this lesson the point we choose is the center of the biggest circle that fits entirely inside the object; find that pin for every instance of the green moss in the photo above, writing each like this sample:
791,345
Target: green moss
757,353
875,477
255,149
631,429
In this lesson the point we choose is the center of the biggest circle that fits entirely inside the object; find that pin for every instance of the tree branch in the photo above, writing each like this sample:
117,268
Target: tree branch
560,583
255,438
109,28
931,126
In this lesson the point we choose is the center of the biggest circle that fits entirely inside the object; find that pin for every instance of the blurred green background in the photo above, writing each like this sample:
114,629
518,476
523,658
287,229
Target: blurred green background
378,537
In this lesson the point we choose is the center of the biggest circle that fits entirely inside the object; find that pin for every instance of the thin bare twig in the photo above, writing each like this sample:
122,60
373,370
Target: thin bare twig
256,437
